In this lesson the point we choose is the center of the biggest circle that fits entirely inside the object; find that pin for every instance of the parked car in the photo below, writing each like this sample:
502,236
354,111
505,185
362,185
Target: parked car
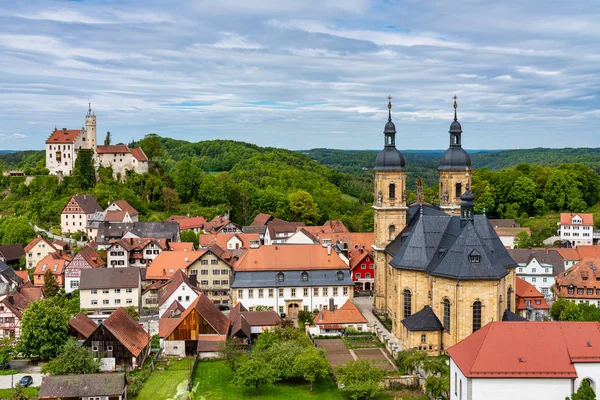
222,307
26,381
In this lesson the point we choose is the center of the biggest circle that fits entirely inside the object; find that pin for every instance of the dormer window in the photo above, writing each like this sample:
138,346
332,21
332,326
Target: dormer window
44,267
475,257
305,276
280,277
340,276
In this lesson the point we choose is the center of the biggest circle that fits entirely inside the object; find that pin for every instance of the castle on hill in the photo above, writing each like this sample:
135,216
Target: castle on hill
64,144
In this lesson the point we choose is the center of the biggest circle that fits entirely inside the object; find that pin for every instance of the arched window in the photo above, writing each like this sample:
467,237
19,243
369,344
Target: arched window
305,276
280,277
458,189
423,338
447,315
509,298
476,316
392,232
407,303
392,191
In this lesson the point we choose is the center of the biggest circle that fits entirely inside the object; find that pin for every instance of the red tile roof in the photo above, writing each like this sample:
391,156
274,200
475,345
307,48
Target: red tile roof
179,278
127,331
181,246
205,308
347,314
91,257
289,257
585,275
586,219
511,232
526,291
358,254
139,243
35,241
527,349
125,206
221,239
23,275
191,223
261,219
63,136
58,259
139,154
210,343
167,262
82,324
112,149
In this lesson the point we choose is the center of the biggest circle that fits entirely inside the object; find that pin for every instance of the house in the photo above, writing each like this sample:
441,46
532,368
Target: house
12,253
230,241
212,273
504,223
122,205
259,230
164,266
195,224
134,252
181,331
86,258
263,219
121,159
221,224
109,232
506,360
247,325
289,278
84,387
12,306
209,345
335,321
279,232
120,342
37,249
181,246
363,268
572,256
507,235
531,303
81,327
579,283
24,275
150,295
104,290
423,330
302,236
9,277
55,262
177,288
332,226
538,267
577,229
101,217
74,216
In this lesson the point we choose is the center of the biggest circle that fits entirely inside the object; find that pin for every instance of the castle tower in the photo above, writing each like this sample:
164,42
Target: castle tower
90,129
389,205
454,169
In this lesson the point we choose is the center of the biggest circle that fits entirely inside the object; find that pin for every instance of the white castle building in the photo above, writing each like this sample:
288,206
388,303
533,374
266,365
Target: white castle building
63,145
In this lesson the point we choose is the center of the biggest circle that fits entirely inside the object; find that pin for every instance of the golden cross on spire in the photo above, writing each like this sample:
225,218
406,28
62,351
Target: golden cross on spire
389,101
455,105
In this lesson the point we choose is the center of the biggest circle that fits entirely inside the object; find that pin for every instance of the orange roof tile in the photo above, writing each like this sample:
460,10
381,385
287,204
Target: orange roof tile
261,219
358,254
83,324
58,259
585,275
181,246
527,349
35,241
191,223
289,257
526,291
221,239
347,314
569,254
588,252
127,331
112,148
125,206
167,262
586,218
63,136
206,308
23,275
139,154
91,257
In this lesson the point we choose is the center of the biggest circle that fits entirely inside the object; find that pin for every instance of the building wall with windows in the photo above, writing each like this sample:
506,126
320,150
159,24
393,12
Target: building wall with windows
100,303
213,277
184,294
578,229
539,275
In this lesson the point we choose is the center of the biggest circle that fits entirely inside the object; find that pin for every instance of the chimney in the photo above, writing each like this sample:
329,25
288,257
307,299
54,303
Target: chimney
328,249
187,259
65,131
331,304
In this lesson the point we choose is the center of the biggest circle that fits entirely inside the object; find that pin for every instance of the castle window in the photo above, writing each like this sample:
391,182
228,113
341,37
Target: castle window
458,189
476,316
407,303
392,232
447,315
392,191
423,338
280,277
508,298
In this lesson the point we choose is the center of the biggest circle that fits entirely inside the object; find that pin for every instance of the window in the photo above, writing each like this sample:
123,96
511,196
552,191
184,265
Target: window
203,272
579,291
117,301
340,276
224,272
293,292
280,292
305,308
391,232
546,270
94,302
447,315
117,291
533,270
545,290
544,280
509,298
357,275
458,189
423,338
533,279
128,290
204,282
335,291
316,291
204,262
407,303
240,293
345,291
520,269
74,284
260,293
216,271
280,309
224,282
94,291
538,302
392,191
105,301
363,266
214,262
368,276
571,290
104,291
270,293
194,272
527,303
304,276
216,282
305,292
590,291
280,277
325,292
250,293
179,298
129,301
476,316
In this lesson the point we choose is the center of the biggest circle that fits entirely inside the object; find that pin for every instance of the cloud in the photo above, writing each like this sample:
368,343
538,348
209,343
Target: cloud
232,41
533,70
12,136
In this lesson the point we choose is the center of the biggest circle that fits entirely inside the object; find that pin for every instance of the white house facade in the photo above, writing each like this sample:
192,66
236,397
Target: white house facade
578,229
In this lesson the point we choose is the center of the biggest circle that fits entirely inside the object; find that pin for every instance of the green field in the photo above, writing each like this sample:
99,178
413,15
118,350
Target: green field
350,198
30,391
170,383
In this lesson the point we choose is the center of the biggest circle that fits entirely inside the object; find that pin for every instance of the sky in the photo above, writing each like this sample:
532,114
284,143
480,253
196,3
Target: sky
303,74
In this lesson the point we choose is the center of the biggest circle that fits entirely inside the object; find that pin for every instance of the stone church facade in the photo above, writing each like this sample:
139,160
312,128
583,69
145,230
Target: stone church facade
441,271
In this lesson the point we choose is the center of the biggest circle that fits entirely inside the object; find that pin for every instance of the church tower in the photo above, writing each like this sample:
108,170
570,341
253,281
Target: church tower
389,204
89,141
454,169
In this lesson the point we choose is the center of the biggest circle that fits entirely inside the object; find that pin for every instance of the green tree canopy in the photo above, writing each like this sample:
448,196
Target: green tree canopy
254,371
303,207
189,236
72,359
360,379
585,392
232,351
311,364
51,287
83,170
43,330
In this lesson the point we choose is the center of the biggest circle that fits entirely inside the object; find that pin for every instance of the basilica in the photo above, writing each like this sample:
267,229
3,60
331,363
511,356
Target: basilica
442,272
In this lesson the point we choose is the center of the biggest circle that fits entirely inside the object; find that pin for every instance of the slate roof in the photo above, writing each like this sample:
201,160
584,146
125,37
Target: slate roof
127,331
442,246
83,324
109,278
543,256
12,252
166,230
258,279
9,273
424,320
78,386
510,316
87,203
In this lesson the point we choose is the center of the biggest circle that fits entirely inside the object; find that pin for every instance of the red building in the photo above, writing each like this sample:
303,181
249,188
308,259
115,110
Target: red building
363,268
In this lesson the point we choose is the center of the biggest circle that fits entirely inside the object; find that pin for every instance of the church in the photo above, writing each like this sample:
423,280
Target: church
442,271
63,145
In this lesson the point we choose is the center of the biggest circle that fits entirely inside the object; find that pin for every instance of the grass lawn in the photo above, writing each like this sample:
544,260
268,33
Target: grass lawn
9,371
170,383
351,198
30,391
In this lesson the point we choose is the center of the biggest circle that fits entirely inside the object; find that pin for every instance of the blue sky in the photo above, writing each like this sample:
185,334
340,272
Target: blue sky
303,74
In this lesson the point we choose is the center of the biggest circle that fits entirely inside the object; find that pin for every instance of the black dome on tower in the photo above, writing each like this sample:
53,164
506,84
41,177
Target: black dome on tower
455,157
390,158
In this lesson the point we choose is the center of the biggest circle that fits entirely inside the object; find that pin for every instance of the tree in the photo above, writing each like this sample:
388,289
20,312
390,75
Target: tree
83,170
152,146
6,349
51,287
303,208
132,312
16,230
72,360
306,317
312,364
438,386
585,392
189,236
282,357
43,330
231,350
253,372
360,379
18,393
523,240
107,139
170,198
